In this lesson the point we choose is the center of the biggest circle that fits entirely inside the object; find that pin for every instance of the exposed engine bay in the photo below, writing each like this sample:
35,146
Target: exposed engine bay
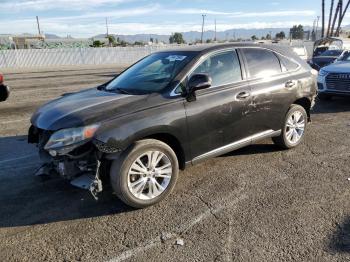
83,163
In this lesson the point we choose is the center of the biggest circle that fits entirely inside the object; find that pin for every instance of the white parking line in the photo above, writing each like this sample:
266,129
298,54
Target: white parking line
182,229
17,158
14,121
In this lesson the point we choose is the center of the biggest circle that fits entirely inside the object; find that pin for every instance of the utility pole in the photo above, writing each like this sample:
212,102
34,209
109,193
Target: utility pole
107,27
37,21
203,16
330,18
215,31
323,18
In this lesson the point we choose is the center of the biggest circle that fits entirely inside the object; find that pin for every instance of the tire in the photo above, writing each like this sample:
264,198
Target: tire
324,97
287,141
125,171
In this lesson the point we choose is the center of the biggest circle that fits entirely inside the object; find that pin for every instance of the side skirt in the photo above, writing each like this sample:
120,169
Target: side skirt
236,145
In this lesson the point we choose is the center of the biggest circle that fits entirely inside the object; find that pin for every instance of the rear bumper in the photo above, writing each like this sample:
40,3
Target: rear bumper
4,92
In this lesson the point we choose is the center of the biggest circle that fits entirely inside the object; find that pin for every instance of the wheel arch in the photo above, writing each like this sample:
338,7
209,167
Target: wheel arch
306,104
173,142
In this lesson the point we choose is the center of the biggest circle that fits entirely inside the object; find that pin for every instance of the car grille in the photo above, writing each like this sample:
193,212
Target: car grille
338,81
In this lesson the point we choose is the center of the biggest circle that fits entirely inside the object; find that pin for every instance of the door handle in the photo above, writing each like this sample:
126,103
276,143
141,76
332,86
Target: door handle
243,95
290,84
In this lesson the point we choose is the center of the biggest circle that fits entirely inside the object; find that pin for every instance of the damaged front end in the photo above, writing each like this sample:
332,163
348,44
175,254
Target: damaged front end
73,154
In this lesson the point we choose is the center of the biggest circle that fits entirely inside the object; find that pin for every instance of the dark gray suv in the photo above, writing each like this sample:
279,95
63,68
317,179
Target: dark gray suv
172,109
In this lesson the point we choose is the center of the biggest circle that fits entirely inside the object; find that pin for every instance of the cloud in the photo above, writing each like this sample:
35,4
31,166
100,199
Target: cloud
89,30
55,4
247,14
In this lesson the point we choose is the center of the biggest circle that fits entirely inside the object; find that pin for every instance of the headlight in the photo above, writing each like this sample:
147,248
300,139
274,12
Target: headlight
70,136
322,72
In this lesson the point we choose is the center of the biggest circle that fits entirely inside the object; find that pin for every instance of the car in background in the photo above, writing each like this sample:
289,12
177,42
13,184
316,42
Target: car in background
325,58
301,52
334,79
4,90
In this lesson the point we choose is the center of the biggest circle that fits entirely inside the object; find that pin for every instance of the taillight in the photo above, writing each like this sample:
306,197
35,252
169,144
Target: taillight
1,78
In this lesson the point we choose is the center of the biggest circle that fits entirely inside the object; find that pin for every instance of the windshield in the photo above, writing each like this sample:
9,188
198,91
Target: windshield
332,53
151,74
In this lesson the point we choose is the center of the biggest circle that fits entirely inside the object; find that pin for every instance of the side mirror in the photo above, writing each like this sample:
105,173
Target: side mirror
198,82
4,92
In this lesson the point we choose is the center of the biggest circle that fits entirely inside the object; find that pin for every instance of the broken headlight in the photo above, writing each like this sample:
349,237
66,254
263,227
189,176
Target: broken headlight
70,136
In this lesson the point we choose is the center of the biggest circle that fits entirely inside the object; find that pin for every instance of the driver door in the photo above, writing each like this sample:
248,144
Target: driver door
218,116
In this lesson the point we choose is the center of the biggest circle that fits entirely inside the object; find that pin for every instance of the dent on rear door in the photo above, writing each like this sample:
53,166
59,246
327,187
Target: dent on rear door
270,100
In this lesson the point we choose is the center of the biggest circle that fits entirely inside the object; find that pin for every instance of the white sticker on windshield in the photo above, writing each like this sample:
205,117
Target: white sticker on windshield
173,58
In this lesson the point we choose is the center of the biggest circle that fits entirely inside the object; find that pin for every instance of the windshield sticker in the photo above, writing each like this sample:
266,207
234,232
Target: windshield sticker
173,58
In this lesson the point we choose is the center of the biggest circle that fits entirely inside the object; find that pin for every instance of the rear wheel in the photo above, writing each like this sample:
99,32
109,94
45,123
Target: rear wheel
293,129
145,173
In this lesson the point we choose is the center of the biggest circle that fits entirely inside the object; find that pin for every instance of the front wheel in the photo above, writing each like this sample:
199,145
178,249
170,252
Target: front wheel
293,129
145,173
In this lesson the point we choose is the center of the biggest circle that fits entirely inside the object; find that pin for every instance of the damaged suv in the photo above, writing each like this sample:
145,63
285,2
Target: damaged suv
173,109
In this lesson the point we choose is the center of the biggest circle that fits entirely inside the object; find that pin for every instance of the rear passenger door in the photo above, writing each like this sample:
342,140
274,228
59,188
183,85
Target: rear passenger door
271,87
217,117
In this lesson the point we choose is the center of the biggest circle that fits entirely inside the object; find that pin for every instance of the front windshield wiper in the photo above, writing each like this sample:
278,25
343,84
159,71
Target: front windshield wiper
121,90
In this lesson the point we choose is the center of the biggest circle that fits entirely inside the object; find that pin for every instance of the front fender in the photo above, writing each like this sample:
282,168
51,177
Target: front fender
167,119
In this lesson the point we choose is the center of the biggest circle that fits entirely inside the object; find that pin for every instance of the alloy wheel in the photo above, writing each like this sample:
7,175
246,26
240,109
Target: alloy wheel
295,127
149,175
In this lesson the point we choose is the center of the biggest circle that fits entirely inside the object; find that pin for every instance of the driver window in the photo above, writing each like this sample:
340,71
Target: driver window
223,68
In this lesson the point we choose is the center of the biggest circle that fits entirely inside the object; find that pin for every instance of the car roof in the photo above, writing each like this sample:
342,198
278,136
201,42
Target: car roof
206,48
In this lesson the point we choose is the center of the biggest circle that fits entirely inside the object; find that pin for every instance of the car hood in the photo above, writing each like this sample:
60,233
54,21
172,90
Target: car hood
84,108
338,67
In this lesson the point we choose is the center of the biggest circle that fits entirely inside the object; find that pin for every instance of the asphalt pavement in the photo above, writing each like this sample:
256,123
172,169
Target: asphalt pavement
259,203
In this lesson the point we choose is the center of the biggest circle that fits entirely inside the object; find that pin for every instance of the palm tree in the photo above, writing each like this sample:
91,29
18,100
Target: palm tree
341,17
330,18
323,18
335,19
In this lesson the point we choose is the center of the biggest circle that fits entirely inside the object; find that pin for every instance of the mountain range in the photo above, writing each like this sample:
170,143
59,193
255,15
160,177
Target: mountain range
192,36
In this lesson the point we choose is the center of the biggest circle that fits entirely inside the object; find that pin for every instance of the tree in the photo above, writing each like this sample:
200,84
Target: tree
111,40
97,43
268,37
280,35
139,43
254,38
176,38
297,32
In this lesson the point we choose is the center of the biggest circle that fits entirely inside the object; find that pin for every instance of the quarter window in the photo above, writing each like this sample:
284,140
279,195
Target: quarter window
223,68
261,62
288,64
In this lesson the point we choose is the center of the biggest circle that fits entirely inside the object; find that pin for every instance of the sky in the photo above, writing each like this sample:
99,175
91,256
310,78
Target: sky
86,18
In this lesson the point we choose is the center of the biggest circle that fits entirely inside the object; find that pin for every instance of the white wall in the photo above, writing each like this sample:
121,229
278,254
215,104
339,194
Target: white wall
122,56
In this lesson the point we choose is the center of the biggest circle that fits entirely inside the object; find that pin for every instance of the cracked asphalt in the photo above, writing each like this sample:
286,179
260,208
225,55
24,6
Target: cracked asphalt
259,203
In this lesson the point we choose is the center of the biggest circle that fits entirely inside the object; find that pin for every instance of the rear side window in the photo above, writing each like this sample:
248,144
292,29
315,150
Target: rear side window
261,62
224,68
